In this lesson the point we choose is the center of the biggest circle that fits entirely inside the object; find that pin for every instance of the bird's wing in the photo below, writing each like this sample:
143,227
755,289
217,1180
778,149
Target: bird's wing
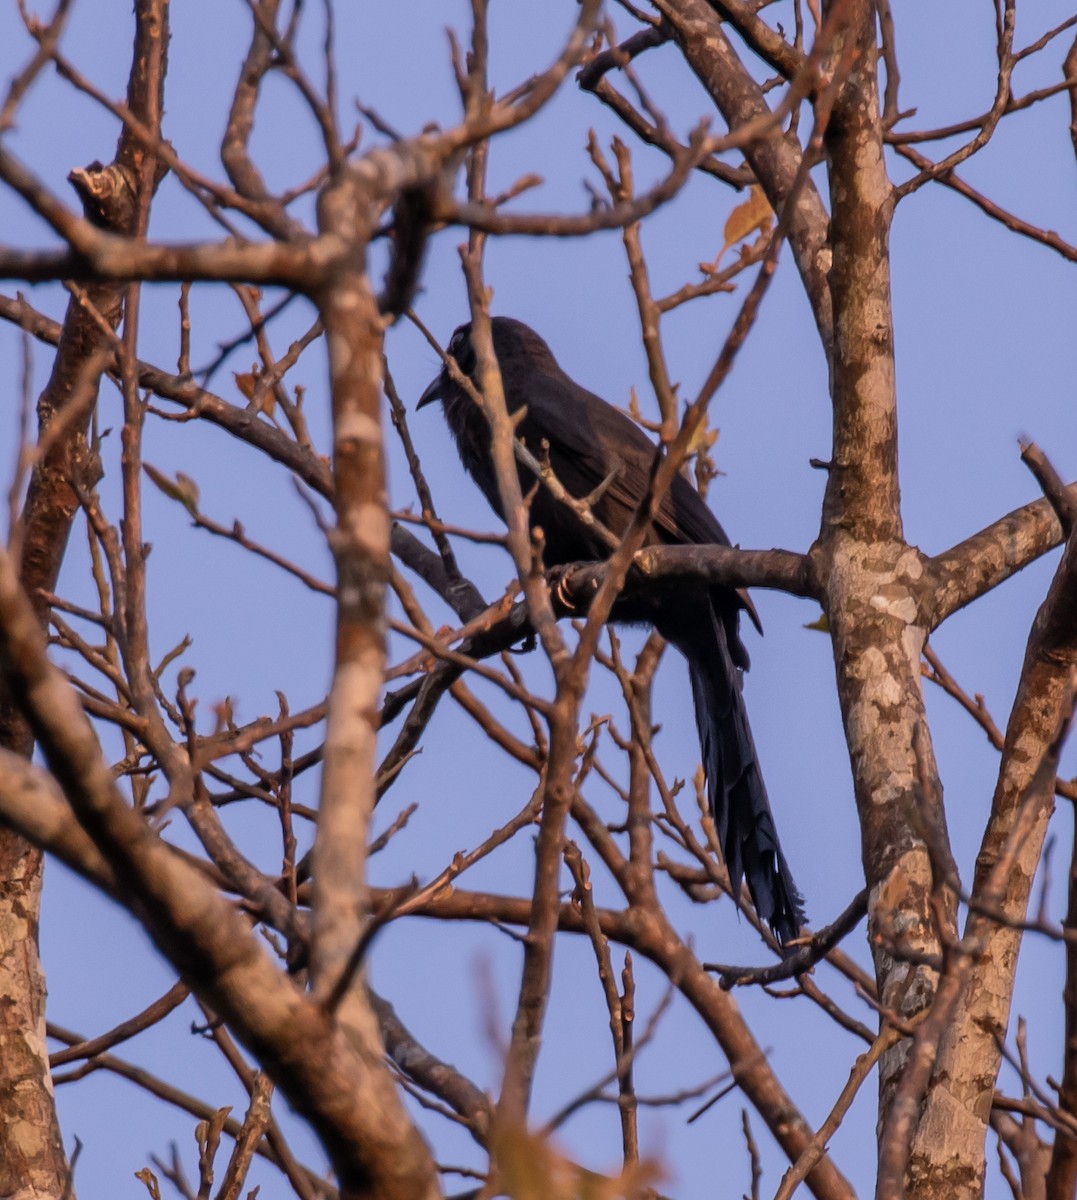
593,444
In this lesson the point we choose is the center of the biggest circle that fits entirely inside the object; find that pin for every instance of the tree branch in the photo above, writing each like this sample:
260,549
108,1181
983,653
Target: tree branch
981,562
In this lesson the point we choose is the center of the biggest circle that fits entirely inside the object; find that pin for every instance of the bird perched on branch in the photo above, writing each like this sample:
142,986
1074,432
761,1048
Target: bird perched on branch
597,452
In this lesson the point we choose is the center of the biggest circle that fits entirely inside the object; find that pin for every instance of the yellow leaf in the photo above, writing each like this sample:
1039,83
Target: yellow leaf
753,215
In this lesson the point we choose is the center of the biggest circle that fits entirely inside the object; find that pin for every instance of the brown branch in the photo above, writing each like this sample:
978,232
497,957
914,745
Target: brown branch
1062,1172
323,111
250,1135
148,1017
208,194
47,36
938,674
1005,20
345,1097
488,219
803,958
33,805
977,709
1013,103
468,602
656,940
528,755
775,159
862,1068
619,1020
1051,484
981,562
758,36
969,1051
115,198
235,143
891,106
360,543
783,570
1046,237
1005,868
247,426
430,1073
1022,1140
1069,68
592,78
307,1183
556,788
384,173
621,189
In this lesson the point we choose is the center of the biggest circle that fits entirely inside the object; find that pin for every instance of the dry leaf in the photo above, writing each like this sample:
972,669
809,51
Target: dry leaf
247,382
530,1167
755,214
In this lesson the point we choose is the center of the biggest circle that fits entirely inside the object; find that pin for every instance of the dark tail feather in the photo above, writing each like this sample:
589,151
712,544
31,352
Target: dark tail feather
738,797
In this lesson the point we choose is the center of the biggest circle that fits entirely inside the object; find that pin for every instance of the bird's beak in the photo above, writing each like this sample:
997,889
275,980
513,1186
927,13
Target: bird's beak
432,393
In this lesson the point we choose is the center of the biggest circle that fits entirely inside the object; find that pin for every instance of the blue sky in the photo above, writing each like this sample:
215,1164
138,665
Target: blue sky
983,324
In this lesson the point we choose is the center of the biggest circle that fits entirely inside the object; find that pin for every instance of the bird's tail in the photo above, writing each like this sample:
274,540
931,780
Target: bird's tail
738,797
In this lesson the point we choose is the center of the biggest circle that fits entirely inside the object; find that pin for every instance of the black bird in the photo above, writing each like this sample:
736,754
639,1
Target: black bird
588,442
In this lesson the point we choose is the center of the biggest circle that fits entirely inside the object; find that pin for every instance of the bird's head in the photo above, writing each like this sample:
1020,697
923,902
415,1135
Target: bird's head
516,345
442,387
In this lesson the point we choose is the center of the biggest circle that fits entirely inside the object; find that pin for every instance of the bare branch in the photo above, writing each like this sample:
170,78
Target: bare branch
1046,237
208,942
981,562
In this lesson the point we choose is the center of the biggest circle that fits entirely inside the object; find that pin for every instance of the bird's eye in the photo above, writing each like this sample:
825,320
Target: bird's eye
457,342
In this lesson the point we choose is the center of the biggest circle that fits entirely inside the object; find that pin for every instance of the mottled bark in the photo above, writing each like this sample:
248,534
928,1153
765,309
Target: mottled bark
32,1160
31,1147
873,582
959,1105
983,561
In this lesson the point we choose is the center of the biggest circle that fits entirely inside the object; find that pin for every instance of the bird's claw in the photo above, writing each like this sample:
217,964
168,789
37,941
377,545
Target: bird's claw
561,592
